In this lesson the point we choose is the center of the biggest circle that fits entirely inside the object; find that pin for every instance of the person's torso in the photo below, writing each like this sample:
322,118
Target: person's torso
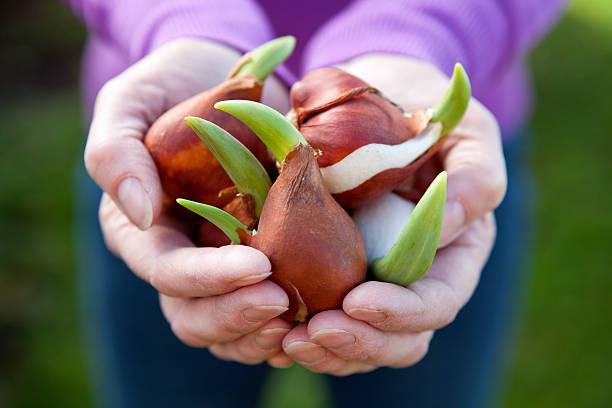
507,96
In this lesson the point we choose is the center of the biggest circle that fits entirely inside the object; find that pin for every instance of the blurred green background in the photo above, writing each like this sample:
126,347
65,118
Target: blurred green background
563,355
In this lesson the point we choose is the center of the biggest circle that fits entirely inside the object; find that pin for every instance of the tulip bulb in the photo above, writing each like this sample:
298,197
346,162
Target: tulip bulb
369,145
187,168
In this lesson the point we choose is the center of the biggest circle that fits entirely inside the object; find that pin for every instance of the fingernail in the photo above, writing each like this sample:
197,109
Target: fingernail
249,280
270,338
454,220
368,315
135,202
263,313
306,352
334,337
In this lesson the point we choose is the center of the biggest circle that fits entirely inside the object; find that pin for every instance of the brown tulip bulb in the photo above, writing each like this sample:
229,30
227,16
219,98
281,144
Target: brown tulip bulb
316,251
186,166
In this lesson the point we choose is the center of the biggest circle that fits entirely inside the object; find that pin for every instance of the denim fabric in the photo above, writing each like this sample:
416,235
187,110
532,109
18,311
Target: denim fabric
137,361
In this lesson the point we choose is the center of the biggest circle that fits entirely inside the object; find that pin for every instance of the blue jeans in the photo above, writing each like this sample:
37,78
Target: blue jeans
138,362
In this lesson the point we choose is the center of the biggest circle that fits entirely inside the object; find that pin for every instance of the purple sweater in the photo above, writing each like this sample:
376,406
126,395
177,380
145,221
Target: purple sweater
489,37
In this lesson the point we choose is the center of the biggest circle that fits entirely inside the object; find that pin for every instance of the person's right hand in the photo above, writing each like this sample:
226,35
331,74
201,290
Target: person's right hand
212,297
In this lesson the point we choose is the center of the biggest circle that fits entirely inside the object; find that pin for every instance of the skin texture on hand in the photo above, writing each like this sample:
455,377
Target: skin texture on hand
212,297
383,324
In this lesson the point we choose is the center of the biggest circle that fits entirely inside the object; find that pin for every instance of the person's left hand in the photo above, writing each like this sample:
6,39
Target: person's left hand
383,324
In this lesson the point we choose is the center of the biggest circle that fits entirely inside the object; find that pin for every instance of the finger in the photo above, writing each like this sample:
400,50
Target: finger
315,358
354,340
473,157
115,156
435,300
225,318
169,261
256,347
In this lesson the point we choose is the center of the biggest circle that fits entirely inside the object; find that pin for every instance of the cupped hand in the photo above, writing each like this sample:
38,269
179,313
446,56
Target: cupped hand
386,325
383,324
127,105
212,297
217,298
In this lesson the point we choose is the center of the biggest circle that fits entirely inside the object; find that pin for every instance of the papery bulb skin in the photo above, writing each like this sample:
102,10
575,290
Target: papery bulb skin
413,188
315,248
381,222
186,166
338,113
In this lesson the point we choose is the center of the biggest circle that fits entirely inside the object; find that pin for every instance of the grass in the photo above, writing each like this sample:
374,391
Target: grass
563,354
38,318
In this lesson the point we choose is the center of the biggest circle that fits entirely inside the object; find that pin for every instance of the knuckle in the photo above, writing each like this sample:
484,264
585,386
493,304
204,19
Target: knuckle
490,227
495,186
234,324
448,318
184,334
373,351
443,305
220,351
155,281
250,353
169,306
449,311
93,156
419,352
109,91
490,187
230,319
367,351
415,355
98,152
159,275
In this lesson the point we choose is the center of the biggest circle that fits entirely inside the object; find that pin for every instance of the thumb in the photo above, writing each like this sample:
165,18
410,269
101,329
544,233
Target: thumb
117,159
